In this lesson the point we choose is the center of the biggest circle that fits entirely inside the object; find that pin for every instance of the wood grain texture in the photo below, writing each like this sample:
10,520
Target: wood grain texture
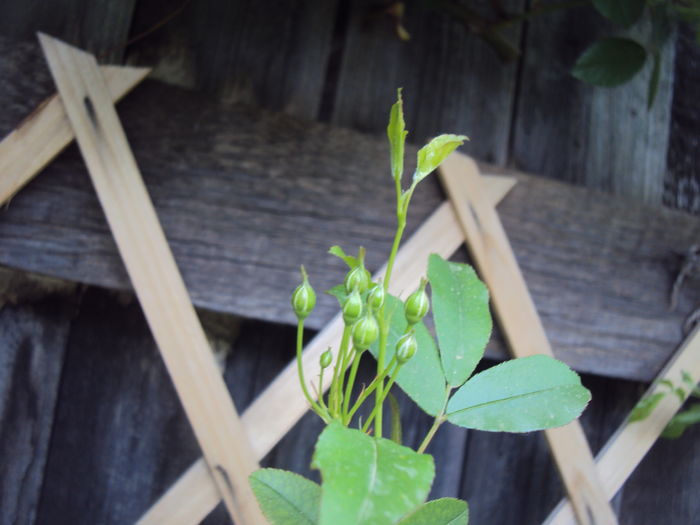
100,26
452,82
244,196
682,183
33,338
519,321
271,54
155,276
600,138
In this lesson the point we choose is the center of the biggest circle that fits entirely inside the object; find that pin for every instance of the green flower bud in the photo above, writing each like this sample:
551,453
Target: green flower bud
365,332
358,278
406,347
326,358
417,304
303,298
376,297
352,307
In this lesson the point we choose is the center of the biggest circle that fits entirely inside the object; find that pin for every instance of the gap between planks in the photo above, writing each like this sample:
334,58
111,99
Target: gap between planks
494,258
154,274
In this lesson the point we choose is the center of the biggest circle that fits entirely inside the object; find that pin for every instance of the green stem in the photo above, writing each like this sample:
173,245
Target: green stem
377,407
321,402
351,380
368,391
439,420
338,373
431,433
300,368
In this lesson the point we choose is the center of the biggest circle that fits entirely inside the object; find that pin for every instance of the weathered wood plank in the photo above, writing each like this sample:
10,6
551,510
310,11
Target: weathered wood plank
272,54
682,184
246,196
99,26
33,338
453,81
596,137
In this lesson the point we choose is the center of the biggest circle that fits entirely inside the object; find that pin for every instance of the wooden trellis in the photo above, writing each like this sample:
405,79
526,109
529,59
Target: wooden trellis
84,109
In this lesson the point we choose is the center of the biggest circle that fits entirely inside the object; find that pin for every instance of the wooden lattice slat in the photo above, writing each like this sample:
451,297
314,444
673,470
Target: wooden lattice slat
493,256
154,274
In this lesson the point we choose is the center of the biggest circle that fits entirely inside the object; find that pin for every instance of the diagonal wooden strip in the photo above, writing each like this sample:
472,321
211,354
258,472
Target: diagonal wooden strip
155,276
47,131
282,404
522,327
630,443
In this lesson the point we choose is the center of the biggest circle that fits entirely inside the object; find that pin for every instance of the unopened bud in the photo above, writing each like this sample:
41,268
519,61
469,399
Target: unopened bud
417,304
326,358
357,278
352,307
406,347
376,297
365,332
303,298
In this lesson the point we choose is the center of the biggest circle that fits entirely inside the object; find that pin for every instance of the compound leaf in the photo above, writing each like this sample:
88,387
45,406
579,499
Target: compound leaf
444,511
434,152
610,62
462,318
368,480
396,131
521,395
285,497
622,12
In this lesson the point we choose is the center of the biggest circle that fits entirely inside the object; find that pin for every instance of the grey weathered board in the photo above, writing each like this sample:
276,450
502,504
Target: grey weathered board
120,438
246,196
99,26
596,137
682,189
33,337
263,53
452,82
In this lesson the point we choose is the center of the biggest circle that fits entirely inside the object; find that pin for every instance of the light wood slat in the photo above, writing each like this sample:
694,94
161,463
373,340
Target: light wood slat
155,277
522,327
282,404
47,131
630,443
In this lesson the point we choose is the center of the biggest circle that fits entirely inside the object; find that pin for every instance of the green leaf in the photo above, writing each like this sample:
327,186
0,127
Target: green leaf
368,480
610,62
646,406
622,12
421,377
396,131
687,378
434,152
462,318
338,291
521,395
681,421
444,511
285,497
351,261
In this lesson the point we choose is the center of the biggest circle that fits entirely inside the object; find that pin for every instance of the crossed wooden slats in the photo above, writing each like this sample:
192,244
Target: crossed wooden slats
85,108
